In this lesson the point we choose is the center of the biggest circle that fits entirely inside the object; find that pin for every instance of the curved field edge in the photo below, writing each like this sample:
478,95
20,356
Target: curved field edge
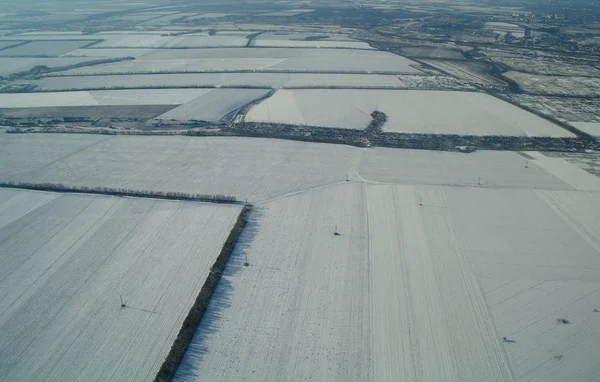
191,322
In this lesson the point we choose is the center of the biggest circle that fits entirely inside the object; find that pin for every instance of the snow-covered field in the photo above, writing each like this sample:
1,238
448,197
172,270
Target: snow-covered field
307,40
102,97
196,104
423,283
489,169
272,59
66,260
440,255
45,48
255,169
158,41
592,128
274,80
425,112
214,105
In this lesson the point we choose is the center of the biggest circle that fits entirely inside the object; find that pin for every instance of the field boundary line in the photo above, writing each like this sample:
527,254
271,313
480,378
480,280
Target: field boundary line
122,192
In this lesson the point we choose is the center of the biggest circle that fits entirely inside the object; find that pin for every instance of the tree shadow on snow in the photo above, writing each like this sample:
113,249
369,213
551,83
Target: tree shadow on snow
219,303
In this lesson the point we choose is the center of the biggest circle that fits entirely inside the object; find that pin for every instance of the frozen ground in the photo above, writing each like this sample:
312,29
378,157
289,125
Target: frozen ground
592,128
440,255
65,260
489,169
214,106
300,311
463,113
45,48
255,169
307,40
158,41
272,59
274,80
12,65
102,97
422,284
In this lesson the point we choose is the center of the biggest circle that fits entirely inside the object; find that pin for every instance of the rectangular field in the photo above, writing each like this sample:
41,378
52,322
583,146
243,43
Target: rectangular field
274,80
307,40
12,65
158,41
300,310
45,48
422,283
272,59
102,97
67,260
423,112
247,168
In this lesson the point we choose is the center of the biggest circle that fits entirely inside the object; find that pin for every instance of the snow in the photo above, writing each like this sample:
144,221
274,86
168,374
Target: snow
45,48
535,254
275,80
19,100
592,128
273,39
463,113
247,168
576,177
488,169
214,105
300,310
161,41
273,59
440,255
378,302
11,65
103,97
422,284
65,264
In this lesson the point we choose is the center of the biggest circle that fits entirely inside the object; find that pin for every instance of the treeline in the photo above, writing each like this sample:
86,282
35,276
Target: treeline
169,195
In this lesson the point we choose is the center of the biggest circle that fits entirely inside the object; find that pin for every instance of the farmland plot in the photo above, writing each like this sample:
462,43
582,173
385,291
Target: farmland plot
307,40
535,254
300,310
12,65
489,169
273,80
592,128
45,48
215,105
38,150
272,59
255,169
387,299
6,43
460,113
95,112
158,41
107,97
65,264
